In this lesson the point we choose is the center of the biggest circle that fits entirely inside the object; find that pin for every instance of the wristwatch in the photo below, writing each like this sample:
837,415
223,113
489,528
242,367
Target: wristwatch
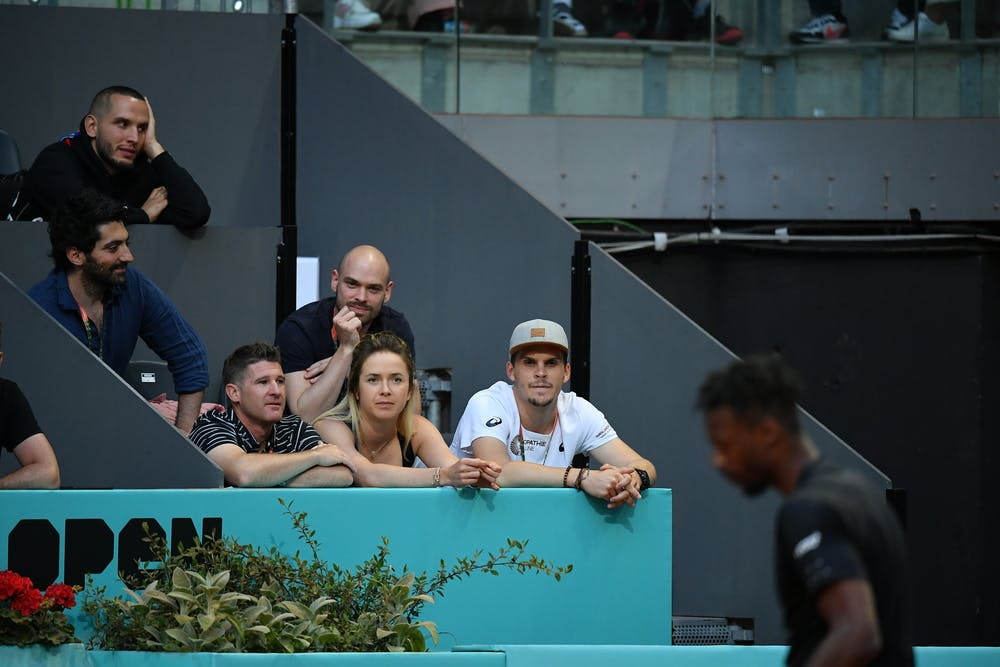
643,479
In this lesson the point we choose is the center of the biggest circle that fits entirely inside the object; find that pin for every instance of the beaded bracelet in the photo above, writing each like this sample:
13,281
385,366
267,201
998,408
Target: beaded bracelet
437,477
566,476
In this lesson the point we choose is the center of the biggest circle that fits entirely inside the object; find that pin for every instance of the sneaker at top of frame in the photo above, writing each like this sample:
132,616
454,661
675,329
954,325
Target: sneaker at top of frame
897,19
354,15
564,24
821,29
926,30
725,33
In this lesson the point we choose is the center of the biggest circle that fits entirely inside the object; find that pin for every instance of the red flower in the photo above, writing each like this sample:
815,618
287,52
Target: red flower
27,601
12,584
61,596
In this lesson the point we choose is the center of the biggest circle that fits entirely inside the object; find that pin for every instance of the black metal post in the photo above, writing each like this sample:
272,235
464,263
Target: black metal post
580,325
458,56
580,319
288,249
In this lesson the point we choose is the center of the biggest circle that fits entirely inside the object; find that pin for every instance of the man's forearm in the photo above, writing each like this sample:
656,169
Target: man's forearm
269,469
523,473
32,476
322,395
188,408
323,477
188,207
846,647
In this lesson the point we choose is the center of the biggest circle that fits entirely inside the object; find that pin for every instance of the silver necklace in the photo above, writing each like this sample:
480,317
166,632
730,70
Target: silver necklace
548,441
372,453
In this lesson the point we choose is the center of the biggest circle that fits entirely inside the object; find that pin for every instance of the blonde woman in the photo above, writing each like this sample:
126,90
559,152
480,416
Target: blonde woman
381,437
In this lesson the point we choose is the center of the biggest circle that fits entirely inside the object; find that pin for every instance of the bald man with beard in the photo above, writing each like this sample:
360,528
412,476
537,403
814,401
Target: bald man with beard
317,341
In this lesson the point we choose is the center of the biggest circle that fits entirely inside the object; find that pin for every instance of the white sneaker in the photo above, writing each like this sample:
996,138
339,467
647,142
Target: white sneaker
897,20
354,15
929,31
564,24
825,28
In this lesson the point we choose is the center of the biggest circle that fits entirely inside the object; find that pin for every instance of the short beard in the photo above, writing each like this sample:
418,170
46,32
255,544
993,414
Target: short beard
98,280
540,404
107,155
368,317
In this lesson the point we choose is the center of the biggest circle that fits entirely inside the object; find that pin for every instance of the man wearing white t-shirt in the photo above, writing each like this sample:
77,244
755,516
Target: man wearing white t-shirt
533,429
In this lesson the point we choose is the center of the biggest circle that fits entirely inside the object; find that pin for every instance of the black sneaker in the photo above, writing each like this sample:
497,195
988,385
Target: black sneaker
725,34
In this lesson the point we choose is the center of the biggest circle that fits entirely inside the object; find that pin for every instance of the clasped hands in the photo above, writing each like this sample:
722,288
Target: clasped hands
617,485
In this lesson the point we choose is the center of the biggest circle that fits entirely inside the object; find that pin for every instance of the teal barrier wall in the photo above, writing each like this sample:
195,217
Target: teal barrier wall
618,593
714,656
499,656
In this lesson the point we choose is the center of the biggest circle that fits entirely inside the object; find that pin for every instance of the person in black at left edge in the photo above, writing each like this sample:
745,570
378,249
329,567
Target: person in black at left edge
118,153
21,435
841,559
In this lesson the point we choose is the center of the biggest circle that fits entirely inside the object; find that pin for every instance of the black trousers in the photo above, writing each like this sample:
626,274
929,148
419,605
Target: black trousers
819,7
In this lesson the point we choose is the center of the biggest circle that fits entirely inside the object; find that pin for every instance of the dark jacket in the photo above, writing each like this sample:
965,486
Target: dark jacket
65,168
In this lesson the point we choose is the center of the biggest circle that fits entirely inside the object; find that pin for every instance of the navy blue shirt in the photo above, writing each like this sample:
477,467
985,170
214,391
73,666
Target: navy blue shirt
304,337
137,309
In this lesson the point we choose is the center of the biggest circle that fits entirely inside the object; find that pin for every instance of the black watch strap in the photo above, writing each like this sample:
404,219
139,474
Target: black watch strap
643,479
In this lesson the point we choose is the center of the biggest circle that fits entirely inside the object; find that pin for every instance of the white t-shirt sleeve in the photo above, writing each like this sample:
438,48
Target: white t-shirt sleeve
486,415
595,428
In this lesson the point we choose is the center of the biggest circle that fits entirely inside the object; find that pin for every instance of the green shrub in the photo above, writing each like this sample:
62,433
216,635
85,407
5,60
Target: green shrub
222,596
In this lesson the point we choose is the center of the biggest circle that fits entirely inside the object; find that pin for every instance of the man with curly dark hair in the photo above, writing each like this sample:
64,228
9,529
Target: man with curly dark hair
96,295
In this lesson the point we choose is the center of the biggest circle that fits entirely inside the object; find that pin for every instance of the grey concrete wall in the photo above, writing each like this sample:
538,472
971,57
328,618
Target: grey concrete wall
212,80
761,169
103,433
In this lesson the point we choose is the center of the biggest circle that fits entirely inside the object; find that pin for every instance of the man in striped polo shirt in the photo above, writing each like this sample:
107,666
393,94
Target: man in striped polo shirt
252,442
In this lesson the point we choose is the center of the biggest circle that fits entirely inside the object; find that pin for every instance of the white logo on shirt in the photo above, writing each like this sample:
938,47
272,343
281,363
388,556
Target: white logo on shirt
808,543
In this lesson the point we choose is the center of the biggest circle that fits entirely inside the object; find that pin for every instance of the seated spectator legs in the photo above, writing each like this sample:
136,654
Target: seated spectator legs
692,20
827,24
672,20
354,15
564,24
903,28
433,16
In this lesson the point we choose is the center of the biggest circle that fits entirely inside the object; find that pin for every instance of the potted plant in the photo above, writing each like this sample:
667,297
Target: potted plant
35,622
